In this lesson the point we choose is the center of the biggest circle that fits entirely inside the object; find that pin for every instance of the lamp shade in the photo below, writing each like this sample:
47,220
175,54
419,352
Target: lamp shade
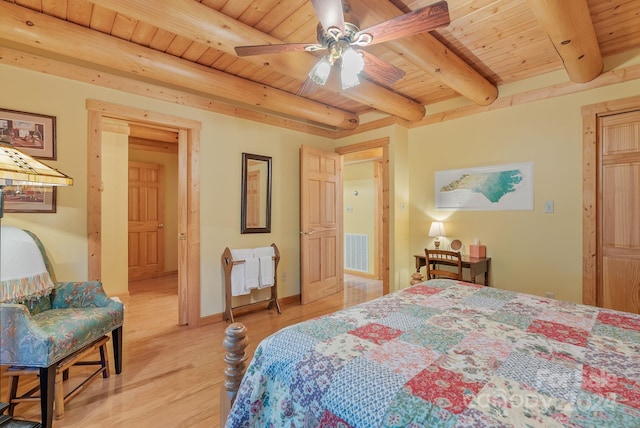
19,169
436,229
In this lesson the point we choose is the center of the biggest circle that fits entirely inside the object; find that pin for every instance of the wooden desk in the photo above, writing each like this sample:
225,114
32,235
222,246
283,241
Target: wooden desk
475,266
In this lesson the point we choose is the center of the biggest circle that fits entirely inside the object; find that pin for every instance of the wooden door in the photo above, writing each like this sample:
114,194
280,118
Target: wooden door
253,199
146,220
321,264
619,212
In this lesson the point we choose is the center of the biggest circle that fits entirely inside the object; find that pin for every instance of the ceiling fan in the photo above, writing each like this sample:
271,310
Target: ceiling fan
342,39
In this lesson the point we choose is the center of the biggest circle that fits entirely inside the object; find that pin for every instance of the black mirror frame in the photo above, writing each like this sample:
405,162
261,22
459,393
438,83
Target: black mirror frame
243,209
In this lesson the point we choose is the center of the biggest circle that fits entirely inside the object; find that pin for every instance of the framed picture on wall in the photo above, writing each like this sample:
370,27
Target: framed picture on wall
496,187
32,133
29,199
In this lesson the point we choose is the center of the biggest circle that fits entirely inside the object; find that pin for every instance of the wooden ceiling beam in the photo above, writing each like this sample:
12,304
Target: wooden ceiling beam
57,37
568,24
427,53
197,22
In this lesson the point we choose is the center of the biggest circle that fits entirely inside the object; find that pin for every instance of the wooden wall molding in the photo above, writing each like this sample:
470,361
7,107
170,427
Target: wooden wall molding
53,67
605,79
35,62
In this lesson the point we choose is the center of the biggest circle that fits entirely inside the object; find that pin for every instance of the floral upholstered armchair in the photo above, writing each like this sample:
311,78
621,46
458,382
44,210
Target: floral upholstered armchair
44,321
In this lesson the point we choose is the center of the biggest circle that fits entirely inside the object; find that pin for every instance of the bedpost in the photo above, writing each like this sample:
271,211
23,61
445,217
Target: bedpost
235,343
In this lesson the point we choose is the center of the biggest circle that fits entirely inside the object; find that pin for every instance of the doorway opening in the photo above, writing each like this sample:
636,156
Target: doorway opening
366,212
188,131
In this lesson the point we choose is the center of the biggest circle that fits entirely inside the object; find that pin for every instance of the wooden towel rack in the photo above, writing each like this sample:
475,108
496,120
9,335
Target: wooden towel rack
227,265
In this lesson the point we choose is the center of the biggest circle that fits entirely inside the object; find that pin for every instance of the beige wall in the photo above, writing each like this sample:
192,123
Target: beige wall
223,139
115,272
359,210
532,251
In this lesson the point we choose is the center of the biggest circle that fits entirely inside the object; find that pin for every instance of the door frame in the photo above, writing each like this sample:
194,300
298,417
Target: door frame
590,190
384,239
188,197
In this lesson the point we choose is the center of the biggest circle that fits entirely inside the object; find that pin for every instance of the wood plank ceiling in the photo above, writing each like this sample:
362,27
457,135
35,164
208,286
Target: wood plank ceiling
188,45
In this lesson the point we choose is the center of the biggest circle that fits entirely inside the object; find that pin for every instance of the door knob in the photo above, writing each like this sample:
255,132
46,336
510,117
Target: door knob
160,226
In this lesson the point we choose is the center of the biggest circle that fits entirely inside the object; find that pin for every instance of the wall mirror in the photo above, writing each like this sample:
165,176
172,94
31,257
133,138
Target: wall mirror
256,194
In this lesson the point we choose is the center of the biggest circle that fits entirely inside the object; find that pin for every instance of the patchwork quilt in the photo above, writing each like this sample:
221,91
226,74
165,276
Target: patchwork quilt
445,353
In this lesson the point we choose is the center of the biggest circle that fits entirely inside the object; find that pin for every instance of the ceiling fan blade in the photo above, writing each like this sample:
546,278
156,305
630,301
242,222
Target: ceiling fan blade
329,13
419,21
380,70
271,49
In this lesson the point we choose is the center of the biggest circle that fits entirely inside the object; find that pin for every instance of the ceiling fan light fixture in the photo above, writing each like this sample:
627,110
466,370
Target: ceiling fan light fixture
320,72
349,80
352,61
352,65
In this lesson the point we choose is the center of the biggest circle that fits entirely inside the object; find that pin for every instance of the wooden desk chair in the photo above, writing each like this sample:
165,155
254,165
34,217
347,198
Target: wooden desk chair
436,258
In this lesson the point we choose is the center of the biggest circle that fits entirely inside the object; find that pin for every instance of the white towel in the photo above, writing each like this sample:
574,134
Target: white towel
264,251
238,283
251,273
267,266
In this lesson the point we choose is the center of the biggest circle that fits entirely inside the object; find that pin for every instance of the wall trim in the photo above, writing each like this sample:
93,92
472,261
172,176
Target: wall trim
104,79
53,67
605,79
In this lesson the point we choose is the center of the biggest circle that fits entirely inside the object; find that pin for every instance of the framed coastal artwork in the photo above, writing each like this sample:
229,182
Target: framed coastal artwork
31,133
498,187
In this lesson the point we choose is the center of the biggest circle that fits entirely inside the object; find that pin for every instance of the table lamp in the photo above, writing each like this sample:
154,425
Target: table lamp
437,231
20,169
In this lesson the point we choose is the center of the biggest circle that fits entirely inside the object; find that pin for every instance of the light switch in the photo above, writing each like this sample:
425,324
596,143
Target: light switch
548,207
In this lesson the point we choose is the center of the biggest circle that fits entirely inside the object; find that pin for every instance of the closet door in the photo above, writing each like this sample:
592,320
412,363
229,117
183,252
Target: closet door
619,212
146,220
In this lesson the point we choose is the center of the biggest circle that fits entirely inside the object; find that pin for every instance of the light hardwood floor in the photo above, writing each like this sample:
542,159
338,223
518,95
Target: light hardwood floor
172,375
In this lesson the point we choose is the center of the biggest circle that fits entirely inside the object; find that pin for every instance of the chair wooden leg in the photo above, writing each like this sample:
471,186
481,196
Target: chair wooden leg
117,349
47,388
104,360
59,393
13,393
